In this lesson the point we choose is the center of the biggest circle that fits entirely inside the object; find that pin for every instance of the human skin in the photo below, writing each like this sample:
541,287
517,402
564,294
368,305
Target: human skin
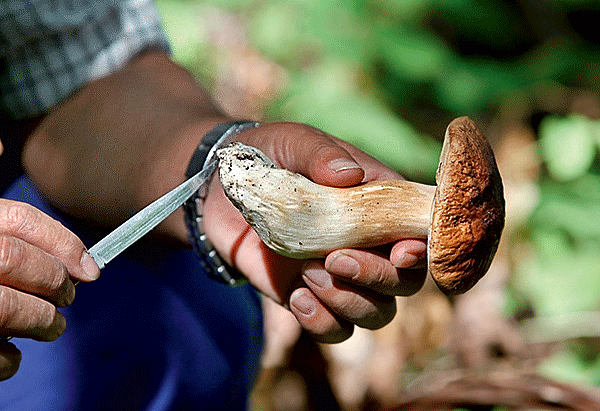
39,260
126,139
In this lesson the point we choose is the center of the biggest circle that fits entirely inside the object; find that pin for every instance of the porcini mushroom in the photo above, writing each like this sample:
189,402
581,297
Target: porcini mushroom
462,217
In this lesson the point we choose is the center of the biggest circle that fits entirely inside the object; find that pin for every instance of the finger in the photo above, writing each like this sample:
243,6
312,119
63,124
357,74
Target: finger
32,270
26,222
308,151
317,319
409,254
374,272
24,315
358,305
374,169
10,359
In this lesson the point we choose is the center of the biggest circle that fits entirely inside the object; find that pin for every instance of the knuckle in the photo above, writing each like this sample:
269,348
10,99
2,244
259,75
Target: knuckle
46,316
362,312
66,243
369,310
378,318
55,282
33,317
8,306
15,216
11,254
380,276
24,221
44,322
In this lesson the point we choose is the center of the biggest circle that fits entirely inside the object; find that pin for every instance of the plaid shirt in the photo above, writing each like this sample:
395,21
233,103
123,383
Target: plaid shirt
49,48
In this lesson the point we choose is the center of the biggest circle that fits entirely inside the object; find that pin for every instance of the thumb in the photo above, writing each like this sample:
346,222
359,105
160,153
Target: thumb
308,151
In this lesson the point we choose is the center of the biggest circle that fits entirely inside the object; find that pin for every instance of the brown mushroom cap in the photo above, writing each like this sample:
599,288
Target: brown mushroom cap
468,209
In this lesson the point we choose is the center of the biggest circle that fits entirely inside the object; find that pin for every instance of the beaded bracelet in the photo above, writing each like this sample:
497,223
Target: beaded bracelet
208,258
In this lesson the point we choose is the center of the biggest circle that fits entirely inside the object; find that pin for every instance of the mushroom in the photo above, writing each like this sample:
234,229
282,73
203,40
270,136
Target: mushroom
462,217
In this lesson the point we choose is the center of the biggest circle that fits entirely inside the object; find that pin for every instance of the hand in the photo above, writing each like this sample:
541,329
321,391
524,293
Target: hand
83,166
350,287
39,259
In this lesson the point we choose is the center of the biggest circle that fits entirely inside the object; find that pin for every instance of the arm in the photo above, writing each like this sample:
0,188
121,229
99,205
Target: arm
126,139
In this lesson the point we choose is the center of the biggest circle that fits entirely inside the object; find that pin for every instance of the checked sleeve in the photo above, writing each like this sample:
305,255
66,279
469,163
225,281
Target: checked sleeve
50,48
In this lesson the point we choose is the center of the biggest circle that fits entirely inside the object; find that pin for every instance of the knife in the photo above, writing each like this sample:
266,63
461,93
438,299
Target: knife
149,217
145,220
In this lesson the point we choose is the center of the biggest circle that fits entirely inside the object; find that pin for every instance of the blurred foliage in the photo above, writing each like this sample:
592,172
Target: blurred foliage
568,146
564,229
388,75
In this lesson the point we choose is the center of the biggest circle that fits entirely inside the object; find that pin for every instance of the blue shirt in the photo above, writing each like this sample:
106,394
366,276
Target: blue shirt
153,333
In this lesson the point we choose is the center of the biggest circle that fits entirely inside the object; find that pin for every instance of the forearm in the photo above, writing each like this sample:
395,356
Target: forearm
121,142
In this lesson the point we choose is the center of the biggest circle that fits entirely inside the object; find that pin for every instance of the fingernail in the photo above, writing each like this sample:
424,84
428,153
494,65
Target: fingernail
406,260
342,164
343,265
302,302
89,266
317,275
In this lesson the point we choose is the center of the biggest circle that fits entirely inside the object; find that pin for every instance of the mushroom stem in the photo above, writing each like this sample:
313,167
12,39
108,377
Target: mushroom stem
462,217
301,219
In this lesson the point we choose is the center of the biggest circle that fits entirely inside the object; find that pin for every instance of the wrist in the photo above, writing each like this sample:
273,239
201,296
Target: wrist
205,154
169,167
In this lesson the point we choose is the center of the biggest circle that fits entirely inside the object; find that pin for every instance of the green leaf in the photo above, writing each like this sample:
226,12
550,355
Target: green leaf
560,276
181,22
568,145
344,32
565,366
486,22
587,187
578,3
462,91
471,85
414,54
579,219
556,59
405,10
275,25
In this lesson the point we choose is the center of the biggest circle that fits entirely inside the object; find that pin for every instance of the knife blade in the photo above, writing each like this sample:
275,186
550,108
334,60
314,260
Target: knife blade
147,218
